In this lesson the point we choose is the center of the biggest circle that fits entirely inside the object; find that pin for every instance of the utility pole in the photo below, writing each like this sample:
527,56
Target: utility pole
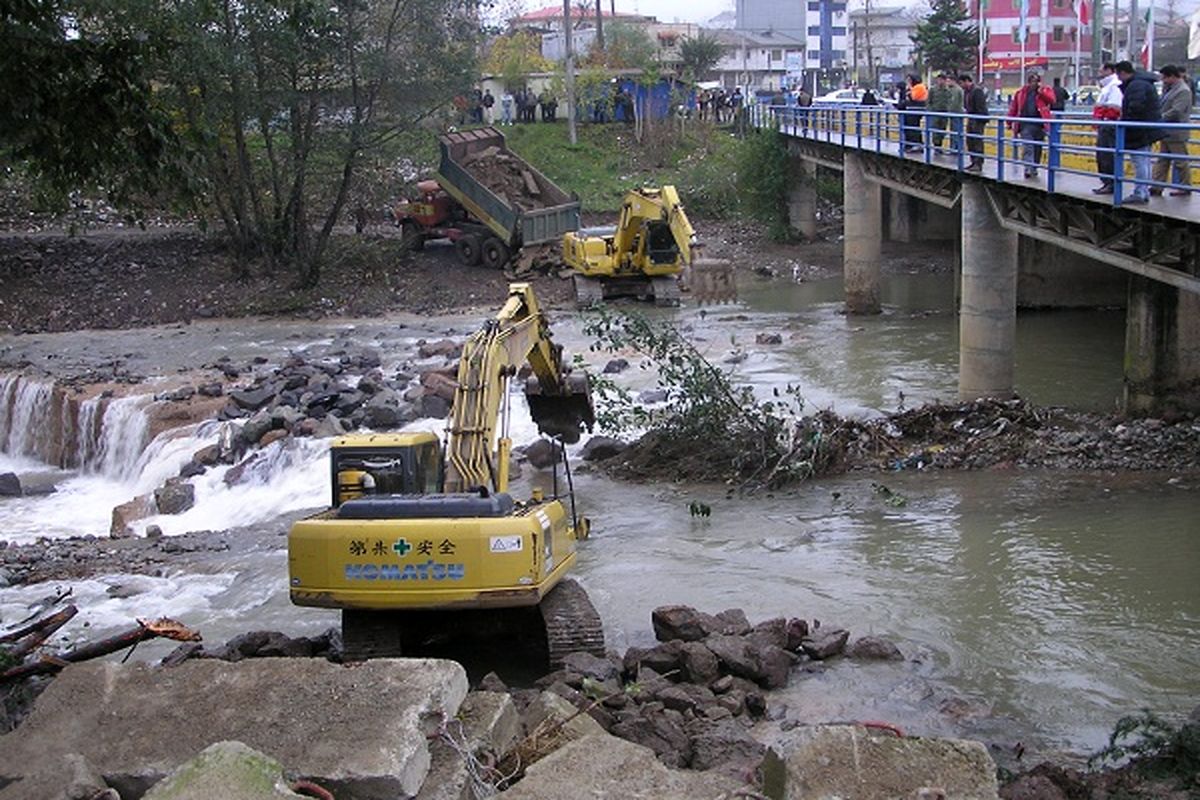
1133,37
600,25
1097,36
570,69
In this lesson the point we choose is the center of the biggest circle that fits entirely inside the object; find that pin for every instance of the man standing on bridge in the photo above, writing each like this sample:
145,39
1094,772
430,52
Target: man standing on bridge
1176,107
1032,104
1139,104
975,105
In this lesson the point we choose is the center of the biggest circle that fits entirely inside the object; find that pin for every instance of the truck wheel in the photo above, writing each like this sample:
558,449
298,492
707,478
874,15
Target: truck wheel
468,250
495,253
411,238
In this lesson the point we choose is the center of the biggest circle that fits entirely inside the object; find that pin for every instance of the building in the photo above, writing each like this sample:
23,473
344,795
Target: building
766,60
1055,42
881,47
826,62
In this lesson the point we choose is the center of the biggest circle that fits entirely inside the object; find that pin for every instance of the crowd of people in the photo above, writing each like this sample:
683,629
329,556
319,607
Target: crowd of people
481,107
1126,94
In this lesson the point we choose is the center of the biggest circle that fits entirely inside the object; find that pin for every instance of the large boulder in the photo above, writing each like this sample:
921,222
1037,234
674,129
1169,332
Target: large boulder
124,515
660,729
874,648
599,448
174,497
10,485
604,766
444,348
487,726
252,399
256,427
698,664
542,454
361,733
854,763
229,770
725,745
550,710
681,622
824,643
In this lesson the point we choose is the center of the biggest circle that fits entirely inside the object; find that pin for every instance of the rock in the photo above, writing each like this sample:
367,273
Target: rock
256,427
328,427
590,666
488,726
286,417
549,709
599,448
772,632
825,643
874,648
252,399
442,383
652,396
229,770
10,485
153,532
244,470
433,406
1033,787
732,622
542,454
662,658
773,665
728,746
263,644
615,366
492,683
6,578
358,732
181,394
607,767
211,389
191,470
121,591
768,338
825,761
272,436
698,664
735,654
682,623
208,456
797,632
685,697
444,348
174,497
74,778
658,728
127,513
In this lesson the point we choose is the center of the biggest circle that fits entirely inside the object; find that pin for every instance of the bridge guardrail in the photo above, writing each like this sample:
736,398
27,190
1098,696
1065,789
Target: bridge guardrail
1071,142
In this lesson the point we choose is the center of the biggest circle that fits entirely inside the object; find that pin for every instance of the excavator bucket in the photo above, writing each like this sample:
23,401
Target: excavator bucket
710,280
563,415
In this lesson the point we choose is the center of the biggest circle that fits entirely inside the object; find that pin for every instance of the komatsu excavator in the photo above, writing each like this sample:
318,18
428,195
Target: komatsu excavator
644,255
420,544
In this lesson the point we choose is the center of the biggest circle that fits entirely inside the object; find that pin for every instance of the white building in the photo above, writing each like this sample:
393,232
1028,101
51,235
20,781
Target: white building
827,41
758,60
881,47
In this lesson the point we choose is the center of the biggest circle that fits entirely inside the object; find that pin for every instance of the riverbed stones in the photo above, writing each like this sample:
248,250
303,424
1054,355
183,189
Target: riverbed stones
228,770
855,763
599,448
874,648
174,497
682,623
361,733
824,643
124,515
10,485
604,766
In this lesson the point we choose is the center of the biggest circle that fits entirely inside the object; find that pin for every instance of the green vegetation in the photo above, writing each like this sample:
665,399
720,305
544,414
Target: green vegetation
945,39
1154,747
766,173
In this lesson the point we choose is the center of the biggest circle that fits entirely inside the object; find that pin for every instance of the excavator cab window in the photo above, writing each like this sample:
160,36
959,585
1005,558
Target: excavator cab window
660,243
359,471
428,466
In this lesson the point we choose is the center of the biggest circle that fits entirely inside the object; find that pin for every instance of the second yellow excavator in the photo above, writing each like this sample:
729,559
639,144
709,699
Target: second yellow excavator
648,251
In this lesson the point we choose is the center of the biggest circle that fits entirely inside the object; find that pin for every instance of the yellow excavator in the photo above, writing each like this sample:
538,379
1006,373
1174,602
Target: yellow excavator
419,544
644,255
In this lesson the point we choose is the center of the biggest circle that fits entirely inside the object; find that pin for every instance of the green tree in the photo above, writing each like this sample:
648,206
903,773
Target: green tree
699,55
76,106
945,39
515,55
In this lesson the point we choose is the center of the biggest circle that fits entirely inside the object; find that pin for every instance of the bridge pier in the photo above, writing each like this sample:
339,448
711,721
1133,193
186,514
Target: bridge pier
862,235
802,200
1162,349
988,312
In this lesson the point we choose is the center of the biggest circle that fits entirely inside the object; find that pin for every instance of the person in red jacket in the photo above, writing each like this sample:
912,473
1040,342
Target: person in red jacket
1031,102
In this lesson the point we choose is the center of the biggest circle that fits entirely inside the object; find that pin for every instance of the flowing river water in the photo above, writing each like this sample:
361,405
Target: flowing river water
1031,606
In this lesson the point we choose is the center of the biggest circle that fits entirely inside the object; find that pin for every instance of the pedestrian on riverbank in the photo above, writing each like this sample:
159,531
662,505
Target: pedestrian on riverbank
1107,109
975,105
1176,107
1031,104
1139,103
506,107
488,101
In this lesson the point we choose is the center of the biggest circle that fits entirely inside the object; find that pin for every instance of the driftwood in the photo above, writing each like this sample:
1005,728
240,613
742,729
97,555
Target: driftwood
41,631
38,625
164,628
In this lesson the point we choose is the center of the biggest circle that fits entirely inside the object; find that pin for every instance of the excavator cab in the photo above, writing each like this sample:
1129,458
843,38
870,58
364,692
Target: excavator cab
385,464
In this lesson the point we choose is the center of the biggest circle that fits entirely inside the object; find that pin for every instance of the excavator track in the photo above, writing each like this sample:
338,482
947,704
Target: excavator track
571,622
665,291
588,291
370,634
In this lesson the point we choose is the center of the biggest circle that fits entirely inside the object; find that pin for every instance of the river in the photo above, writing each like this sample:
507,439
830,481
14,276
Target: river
1031,606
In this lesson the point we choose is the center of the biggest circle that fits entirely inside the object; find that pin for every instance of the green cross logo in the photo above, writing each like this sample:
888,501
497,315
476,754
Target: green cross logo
401,547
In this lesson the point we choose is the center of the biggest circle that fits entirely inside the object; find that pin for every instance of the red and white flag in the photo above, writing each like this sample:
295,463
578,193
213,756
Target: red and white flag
1083,13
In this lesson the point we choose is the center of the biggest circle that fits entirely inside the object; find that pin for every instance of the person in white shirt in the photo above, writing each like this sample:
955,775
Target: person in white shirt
1107,109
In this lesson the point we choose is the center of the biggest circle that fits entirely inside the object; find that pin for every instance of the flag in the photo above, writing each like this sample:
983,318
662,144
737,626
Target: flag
1083,13
1147,55
1022,28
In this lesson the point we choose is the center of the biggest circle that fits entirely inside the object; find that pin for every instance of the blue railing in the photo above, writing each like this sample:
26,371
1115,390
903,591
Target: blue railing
1073,144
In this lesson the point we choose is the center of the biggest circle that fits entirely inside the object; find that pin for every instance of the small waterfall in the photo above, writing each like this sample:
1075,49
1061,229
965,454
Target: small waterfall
123,436
27,418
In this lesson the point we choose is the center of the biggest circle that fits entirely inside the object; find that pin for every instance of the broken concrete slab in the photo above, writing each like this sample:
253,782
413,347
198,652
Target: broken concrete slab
360,732
71,777
549,705
605,766
228,770
851,762
487,726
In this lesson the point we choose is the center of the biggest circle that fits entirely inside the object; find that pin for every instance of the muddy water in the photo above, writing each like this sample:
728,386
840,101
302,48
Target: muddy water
1031,606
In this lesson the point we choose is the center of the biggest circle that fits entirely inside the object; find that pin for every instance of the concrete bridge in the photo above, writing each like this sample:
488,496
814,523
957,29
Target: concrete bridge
1050,235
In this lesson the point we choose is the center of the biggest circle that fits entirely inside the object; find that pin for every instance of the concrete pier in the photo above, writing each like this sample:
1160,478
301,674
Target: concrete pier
1162,349
863,232
802,199
988,313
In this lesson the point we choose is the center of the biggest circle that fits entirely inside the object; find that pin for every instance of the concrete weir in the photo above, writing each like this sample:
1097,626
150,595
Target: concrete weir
988,313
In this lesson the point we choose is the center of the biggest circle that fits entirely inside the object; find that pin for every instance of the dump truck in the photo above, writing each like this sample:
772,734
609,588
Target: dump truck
487,200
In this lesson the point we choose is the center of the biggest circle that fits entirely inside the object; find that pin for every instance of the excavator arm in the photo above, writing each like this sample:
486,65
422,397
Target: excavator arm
560,403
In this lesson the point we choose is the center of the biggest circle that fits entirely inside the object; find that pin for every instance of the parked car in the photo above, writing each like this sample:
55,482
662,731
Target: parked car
851,97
